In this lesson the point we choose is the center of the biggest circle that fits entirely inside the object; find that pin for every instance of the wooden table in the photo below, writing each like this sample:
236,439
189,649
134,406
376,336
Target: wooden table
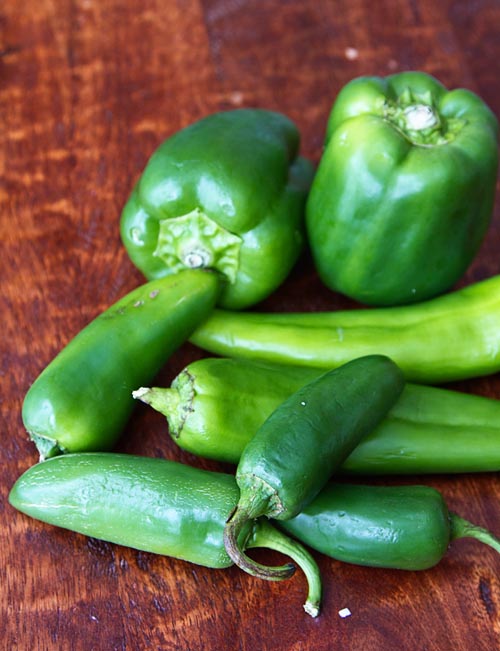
88,90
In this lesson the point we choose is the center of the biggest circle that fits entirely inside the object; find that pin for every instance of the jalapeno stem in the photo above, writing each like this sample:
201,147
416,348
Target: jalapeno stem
461,528
234,525
265,535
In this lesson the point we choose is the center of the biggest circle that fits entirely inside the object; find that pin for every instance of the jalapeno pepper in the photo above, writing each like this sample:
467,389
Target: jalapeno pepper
154,505
305,440
215,405
404,191
452,337
226,193
81,401
169,508
401,527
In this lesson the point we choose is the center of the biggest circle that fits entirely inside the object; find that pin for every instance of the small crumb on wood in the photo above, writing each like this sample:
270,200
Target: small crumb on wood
351,53
236,97
345,612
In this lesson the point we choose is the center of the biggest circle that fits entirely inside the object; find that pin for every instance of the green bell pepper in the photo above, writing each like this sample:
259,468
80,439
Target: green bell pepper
226,193
404,190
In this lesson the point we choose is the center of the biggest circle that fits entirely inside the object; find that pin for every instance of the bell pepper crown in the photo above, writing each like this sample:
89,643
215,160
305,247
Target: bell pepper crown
409,102
405,188
227,193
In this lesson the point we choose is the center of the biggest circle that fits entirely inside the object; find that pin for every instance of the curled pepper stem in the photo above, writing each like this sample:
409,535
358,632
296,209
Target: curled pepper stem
461,528
234,526
265,535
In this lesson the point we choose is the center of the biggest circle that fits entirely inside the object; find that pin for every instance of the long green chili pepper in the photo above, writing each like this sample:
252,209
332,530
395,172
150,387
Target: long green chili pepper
215,405
304,441
452,337
169,508
154,505
82,400
402,527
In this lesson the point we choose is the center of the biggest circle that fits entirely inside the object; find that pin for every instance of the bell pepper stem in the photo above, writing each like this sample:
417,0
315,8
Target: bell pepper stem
461,528
265,535
195,241
419,117
234,526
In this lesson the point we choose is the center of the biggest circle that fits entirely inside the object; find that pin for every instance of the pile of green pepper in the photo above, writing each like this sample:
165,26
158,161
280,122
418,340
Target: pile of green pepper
394,214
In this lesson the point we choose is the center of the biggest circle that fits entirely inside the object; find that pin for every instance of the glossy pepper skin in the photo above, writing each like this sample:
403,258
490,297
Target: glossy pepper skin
169,508
150,504
401,527
82,400
215,405
404,191
226,193
306,439
451,337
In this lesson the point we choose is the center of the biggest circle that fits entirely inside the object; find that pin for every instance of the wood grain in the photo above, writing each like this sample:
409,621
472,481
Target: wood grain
87,91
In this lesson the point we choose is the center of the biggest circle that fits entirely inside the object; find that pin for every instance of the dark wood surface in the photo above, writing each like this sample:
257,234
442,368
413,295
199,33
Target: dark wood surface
88,90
